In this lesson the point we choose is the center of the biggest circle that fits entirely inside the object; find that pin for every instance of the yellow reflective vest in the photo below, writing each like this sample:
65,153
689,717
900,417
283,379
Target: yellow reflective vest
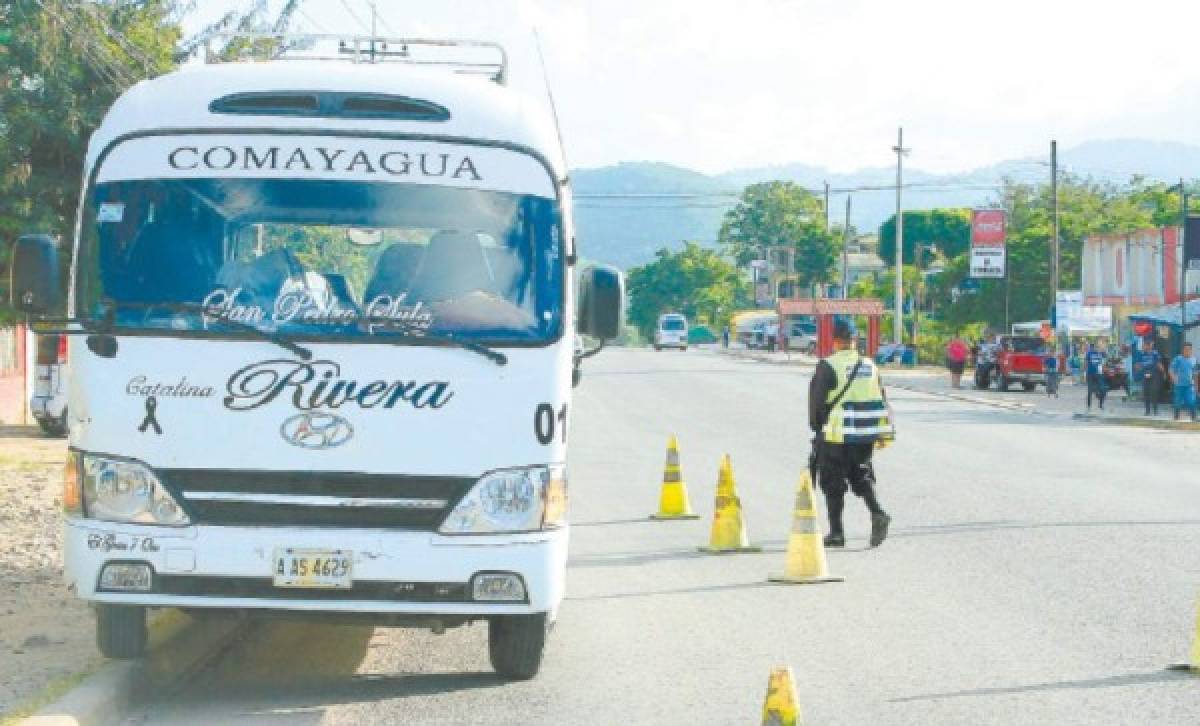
862,416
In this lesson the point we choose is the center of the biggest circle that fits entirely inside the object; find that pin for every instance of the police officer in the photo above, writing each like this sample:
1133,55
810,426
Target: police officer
848,413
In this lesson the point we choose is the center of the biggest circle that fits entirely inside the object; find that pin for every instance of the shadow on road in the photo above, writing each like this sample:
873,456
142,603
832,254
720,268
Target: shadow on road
675,591
614,559
994,526
677,372
604,522
1130,679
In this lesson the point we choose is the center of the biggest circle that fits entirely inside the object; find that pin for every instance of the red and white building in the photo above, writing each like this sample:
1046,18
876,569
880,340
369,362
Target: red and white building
1134,270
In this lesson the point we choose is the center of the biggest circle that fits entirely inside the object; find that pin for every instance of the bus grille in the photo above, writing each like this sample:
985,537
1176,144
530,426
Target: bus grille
315,499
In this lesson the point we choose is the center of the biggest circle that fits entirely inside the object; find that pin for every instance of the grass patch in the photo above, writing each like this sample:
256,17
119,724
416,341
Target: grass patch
53,691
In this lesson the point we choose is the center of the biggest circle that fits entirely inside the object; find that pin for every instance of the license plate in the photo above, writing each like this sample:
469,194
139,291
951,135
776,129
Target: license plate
322,569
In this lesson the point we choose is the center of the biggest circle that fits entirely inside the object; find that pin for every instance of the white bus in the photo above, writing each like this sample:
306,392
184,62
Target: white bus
321,341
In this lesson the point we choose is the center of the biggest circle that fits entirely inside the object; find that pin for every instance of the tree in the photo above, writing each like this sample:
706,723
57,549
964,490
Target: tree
948,229
62,64
782,215
1086,208
695,281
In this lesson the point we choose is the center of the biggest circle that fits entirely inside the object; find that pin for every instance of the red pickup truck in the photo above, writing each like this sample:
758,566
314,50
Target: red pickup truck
1015,359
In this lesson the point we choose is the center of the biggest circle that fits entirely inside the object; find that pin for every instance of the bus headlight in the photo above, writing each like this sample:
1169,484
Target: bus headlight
126,491
528,499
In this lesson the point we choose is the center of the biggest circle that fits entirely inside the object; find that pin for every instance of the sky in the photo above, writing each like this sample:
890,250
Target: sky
715,85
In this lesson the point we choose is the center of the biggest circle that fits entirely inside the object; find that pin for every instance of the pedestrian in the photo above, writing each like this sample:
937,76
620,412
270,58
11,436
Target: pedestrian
1093,362
1183,378
1150,371
725,337
1073,365
956,359
1050,364
1126,369
848,412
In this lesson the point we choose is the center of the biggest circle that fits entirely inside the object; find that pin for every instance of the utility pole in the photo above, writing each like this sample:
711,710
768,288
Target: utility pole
826,207
374,29
1054,276
1180,259
900,152
845,251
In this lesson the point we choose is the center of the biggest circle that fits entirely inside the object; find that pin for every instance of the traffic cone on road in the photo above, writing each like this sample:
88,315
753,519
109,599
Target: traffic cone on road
673,502
805,562
780,708
728,528
1194,665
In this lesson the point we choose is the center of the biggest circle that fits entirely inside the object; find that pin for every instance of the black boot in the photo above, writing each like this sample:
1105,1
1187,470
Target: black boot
879,528
835,539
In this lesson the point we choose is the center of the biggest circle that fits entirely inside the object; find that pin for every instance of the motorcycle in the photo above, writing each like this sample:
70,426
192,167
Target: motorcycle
985,367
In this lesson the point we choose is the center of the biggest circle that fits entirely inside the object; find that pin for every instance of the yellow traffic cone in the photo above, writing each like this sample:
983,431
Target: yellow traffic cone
673,503
780,708
1194,666
728,527
805,562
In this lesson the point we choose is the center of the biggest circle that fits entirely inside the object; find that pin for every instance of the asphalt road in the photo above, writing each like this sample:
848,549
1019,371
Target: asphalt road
1039,571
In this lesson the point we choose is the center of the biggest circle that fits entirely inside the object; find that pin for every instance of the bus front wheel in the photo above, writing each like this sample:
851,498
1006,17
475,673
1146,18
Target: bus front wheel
515,644
121,631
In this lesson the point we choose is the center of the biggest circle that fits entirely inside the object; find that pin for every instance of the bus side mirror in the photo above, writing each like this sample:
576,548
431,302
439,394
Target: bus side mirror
35,285
601,302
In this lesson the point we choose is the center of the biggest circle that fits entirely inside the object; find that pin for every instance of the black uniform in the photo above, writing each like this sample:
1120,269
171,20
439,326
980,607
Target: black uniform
840,466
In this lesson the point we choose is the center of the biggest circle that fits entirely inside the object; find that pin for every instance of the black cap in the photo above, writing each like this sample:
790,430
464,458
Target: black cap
843,329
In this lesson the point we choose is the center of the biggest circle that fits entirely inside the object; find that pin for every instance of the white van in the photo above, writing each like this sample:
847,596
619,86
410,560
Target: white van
49,400
671,332
321,348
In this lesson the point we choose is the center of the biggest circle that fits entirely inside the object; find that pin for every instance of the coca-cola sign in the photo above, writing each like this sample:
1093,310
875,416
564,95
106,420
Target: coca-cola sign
988,227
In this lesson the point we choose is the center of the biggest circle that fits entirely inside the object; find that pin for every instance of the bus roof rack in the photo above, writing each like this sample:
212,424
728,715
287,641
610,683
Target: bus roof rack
471,57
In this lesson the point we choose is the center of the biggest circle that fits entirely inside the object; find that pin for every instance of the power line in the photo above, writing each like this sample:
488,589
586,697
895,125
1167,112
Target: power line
381,19
315,25
354,15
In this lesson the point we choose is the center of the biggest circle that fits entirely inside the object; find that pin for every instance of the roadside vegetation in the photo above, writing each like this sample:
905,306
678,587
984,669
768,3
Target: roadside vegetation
62,64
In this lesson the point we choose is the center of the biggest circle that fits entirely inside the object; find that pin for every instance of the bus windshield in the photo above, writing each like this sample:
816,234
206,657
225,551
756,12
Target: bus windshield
323,258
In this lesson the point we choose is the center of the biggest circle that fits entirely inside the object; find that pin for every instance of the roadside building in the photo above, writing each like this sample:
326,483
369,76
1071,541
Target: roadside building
14,383
1133,272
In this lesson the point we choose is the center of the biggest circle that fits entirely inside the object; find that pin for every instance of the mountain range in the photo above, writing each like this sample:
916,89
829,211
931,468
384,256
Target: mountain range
625,212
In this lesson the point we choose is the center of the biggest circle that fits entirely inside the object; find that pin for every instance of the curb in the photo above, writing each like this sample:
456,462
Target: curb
1145,423
180,645
1016,407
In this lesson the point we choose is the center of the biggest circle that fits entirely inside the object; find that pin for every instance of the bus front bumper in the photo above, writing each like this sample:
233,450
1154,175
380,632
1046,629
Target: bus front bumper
396,572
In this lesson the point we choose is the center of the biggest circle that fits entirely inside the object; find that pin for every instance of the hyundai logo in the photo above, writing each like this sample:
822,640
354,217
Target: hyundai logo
316,430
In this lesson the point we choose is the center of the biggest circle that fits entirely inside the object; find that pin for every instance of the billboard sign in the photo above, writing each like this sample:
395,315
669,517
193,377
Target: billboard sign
987,262
988,227
1191,244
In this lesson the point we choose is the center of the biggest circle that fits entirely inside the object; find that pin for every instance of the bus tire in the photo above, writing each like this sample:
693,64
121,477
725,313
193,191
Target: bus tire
1029,387
121,631
515,645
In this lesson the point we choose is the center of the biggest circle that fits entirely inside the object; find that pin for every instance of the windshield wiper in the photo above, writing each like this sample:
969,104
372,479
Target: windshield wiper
206,312
410,330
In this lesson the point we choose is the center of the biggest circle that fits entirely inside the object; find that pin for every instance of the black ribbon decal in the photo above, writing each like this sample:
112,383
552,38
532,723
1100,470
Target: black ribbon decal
150,420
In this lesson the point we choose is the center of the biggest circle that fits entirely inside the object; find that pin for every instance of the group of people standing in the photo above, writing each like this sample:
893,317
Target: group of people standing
1151,370
1102,371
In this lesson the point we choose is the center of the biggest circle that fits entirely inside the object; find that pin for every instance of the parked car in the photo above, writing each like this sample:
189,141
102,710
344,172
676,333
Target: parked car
890,353
802,336
49,400
671,332
1015,359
